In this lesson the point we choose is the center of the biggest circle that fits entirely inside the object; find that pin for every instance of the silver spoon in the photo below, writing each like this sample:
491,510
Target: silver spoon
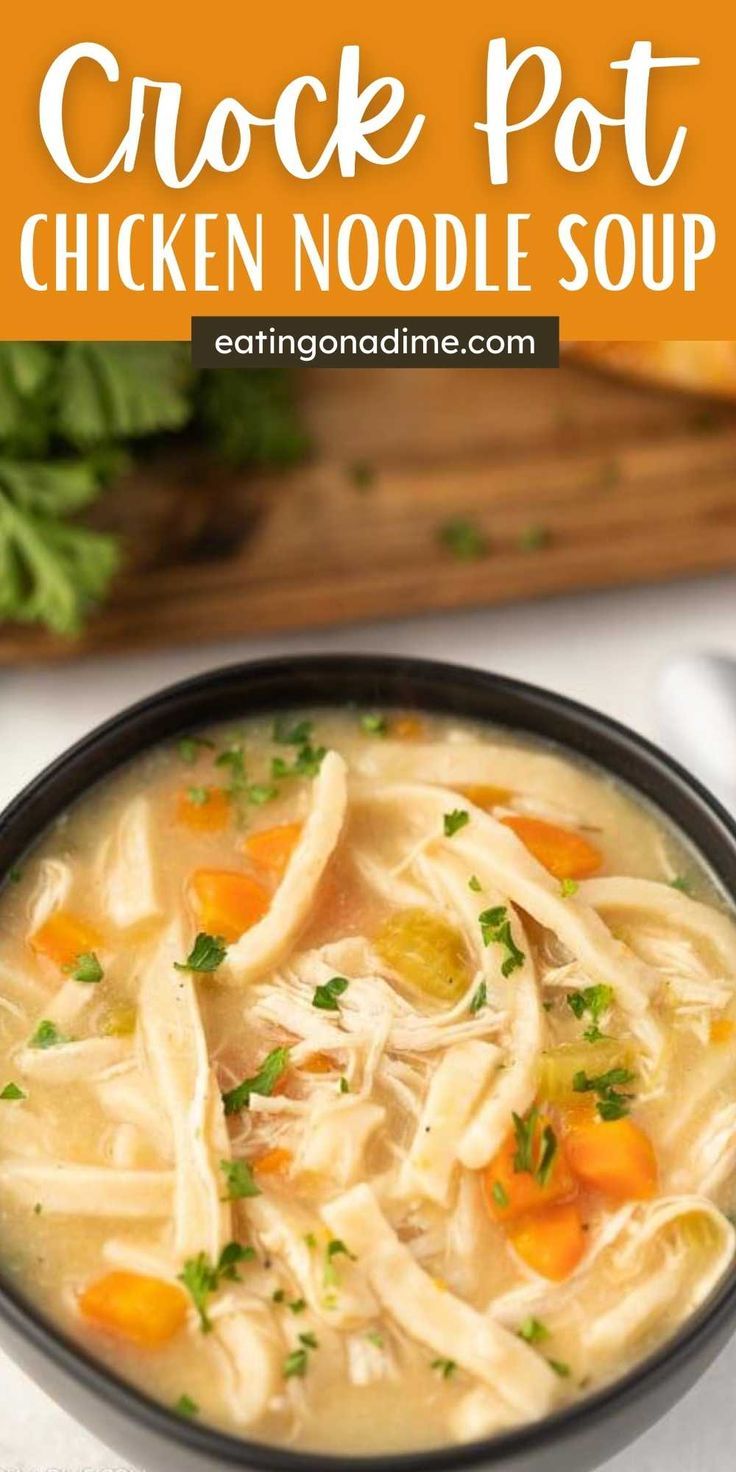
696,715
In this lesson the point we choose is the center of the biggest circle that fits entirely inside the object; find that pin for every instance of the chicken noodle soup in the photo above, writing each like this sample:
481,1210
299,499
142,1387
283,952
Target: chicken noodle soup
368,1081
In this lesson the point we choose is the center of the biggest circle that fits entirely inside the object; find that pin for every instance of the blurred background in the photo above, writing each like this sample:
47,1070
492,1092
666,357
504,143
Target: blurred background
575,528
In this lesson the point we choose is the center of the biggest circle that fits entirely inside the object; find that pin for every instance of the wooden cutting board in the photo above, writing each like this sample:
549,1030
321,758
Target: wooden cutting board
611,483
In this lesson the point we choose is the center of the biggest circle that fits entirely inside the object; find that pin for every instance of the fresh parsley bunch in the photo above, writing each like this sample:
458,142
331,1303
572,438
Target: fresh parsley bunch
72,416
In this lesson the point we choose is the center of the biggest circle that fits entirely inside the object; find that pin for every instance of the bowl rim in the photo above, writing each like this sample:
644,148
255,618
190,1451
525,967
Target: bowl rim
122,1396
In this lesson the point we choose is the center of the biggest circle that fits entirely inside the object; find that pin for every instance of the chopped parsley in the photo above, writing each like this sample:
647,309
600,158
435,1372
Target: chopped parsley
534,537
475,884
207,953
11,1091
198,796
201,1277
560,1368
306,763
495,928
611,1103
500,1194
464,539
344,1085
263,1082
479,998
374,1336
335,1248
286,734
15,874
326,996
185,1406
297,1305
190,746
454,821
568,887
532,1156
86,968
595,1000
260,792
233,760
239,1180
533,1331
47,1035
445,1367
682,883
297,1361
374,724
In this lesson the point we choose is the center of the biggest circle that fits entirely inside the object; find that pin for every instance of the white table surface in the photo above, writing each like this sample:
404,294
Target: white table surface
604,649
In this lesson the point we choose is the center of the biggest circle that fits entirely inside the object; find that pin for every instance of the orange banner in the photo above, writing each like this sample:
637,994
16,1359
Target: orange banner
164,162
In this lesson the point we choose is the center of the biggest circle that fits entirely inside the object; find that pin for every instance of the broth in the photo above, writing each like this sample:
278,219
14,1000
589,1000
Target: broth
368,1078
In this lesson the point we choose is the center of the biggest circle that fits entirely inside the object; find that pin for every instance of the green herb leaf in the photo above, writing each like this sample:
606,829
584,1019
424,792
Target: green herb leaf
464,539
533,1331
261,792
189,748
185,1406
47,1035
682,883
335,1248
446,1367
524,1131
201,1277
547,1155
11,1091
454,821
595,1000
495,928
560,1368
198,796
207,953
479,998
296,1363
374,724
239,1180
263,1082
288,734
326,996
500,1194
568,887
475,884
611,1104
86,968
344,1085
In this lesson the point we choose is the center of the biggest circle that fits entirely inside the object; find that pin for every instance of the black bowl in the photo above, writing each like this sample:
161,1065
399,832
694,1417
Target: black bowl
572,1440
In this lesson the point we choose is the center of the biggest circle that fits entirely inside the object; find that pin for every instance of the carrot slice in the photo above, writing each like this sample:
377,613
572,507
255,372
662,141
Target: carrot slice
512,1193
146,1311
228,902
722,1030
407,727
567,854
273,1162
204,809
63,938
318,1063
551,1241
485,797
272,848
616,1158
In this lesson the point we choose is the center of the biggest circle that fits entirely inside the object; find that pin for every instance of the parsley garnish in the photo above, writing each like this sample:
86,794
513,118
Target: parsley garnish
533,1331
682,883
500,1194
326,996
495,928
533,538
374,724
445,1367
262,1082
239,1180
335,1248
479,998
463,539
611,1104
297,1361
525,1132
185,1406
560,1368
306,763
475,884
11,1091
189,748
454,821
595,1000
201,1277
287,734
568,887
86,968
344,1085
198,796
260,792
15,874
47,1035
207,953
